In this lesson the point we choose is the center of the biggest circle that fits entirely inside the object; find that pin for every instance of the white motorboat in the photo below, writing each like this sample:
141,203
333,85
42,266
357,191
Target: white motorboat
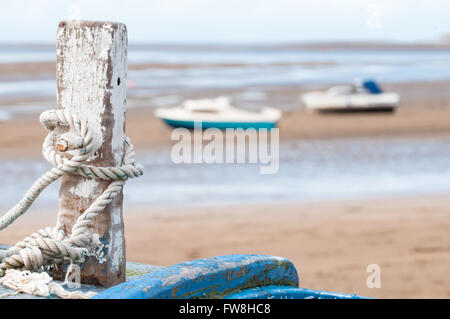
217,113
361,96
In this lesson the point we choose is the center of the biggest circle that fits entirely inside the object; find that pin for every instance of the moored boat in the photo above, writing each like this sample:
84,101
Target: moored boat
217,113
362,96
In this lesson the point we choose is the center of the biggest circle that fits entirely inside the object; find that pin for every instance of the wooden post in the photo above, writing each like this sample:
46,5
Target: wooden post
91,81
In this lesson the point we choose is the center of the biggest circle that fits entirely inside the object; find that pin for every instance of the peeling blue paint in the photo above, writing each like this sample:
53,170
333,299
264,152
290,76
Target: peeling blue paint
214,277
282,292
231,277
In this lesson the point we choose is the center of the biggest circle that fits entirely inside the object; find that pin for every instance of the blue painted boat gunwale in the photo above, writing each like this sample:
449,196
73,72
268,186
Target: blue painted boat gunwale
229,277
214,277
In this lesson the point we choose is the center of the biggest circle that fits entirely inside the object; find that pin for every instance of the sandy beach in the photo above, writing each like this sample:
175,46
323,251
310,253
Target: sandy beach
357,197
424,111
331,242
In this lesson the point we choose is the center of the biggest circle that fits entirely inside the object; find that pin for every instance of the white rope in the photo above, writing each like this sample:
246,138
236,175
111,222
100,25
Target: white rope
38,284
51,246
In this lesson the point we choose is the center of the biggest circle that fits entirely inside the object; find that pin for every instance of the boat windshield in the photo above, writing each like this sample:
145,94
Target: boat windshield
341,90
205,111
207,105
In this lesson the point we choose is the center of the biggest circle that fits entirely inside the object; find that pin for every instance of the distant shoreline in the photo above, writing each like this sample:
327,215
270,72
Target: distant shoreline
331,45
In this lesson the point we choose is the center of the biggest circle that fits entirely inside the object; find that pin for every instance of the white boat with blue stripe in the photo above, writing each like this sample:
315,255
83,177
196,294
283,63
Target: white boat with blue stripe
217,113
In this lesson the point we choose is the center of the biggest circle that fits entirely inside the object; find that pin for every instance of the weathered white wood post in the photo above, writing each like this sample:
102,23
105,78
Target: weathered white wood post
91,82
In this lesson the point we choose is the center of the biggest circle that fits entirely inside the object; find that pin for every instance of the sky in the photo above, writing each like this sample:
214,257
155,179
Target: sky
233,21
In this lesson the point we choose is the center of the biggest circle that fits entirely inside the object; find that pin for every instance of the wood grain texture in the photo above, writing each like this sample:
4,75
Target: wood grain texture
91,82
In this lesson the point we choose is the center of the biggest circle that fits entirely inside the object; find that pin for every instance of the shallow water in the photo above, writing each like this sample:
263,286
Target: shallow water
309,170
201,69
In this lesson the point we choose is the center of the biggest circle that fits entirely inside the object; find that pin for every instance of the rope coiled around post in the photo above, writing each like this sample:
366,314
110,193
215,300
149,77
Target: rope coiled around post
50,246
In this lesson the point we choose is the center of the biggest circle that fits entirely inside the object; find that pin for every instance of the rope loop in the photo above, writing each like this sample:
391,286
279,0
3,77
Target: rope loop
68,152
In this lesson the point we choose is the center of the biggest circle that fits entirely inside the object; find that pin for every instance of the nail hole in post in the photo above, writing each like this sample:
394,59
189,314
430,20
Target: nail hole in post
118,81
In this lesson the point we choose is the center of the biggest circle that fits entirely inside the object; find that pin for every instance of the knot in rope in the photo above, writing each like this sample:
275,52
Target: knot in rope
68,152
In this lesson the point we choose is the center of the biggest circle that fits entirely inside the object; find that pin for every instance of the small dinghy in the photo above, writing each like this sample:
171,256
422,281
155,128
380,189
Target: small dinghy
217,113
362,96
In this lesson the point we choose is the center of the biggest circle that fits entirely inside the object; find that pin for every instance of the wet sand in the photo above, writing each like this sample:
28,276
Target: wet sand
331,243
424,111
